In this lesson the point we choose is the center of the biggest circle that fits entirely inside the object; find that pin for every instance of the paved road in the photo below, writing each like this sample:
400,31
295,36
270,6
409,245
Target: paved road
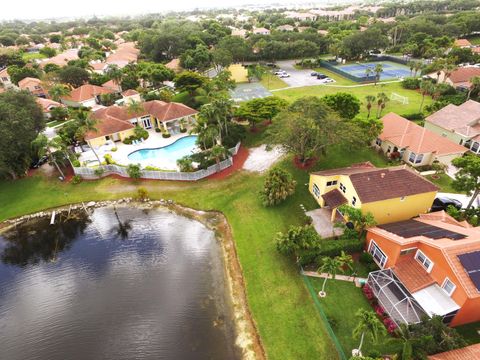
297,77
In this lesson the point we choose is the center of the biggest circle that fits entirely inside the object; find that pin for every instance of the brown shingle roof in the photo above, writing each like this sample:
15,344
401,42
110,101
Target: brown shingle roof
467,353
334,198
412,274
404,133
389,183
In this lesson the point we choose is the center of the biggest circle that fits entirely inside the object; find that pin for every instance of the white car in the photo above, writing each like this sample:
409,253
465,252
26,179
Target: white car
327,80
279,72
284,75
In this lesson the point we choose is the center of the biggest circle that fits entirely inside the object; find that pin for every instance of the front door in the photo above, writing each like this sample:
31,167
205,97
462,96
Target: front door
147,123
115,137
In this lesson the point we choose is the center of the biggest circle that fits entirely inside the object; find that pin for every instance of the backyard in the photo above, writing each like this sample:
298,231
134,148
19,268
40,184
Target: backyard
276,293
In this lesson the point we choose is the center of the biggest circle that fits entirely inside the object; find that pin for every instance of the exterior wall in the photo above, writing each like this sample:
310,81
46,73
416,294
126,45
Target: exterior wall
427,159
447,159
450,135
441,269
392,210
97,142
321,182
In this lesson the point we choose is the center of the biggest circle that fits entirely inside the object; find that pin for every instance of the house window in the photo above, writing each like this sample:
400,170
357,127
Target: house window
407,251
414,158
402,198
475,147
377,254
331,183
424,260
316,190
378,142
448,286
343,188
354,201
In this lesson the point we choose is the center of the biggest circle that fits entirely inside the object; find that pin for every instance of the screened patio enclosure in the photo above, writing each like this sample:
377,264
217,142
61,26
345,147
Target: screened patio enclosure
395,299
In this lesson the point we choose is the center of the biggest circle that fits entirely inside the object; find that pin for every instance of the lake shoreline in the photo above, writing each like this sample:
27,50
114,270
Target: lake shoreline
247,337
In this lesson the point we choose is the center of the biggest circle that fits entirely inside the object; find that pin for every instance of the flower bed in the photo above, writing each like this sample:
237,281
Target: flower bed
379,310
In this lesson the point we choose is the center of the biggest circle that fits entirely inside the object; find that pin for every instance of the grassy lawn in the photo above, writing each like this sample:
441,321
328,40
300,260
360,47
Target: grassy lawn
288,322
444,183
272,82
32,56
343,300
470,332
392,106
339,80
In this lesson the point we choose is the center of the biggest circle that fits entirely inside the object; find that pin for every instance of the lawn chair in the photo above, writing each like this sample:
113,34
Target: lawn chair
134,142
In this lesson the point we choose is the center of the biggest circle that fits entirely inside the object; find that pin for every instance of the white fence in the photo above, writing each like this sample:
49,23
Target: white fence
89,172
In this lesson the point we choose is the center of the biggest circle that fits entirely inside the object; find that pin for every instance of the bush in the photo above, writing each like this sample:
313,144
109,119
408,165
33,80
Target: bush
141,133
99,171
152,168
166,135
134,171
157,129
142,194
76,163
411,83
114,149
279,184
76,179
332,248
108,159
366,258
183,130
414,116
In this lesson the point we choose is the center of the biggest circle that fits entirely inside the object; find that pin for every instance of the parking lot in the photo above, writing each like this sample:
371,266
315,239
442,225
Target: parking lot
249,91
297,77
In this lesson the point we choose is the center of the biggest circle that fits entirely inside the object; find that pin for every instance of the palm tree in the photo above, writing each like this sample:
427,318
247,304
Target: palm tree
382,100
134,108
370,99
368,324
58,91
368,72
329,266
418,65
407,338
426,88
378,70
115,74
346,260
54,149
411,65
448,69
475,85
385,100
218,153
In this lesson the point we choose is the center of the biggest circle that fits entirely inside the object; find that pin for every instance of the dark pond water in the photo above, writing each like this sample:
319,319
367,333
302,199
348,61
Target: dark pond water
131,284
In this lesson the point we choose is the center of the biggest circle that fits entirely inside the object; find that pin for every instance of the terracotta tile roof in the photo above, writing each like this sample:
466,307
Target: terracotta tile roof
334,198
28,82
462,42
443,217
353,169
61,59
412,274
406,134
167,111
130,92
4,73
174,65
125,53
471,352
48,104
463,119
111,84
389,183
462,75
87,92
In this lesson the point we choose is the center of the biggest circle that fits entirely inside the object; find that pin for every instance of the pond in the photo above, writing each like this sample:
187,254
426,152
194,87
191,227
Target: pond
120,284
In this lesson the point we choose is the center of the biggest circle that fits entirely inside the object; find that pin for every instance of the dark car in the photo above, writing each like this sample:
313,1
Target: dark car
38,162
314,74
442,202
321,76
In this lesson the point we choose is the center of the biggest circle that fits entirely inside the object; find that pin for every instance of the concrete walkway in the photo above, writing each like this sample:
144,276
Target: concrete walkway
322,224
354,279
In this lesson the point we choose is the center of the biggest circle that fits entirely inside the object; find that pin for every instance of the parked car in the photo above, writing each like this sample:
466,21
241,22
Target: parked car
39,162
271,64
314,73
442,202
284,75
327,80
321,76
279,72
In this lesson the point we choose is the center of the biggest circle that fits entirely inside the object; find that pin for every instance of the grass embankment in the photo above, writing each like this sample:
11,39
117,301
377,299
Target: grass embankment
413,106
343,300
288,322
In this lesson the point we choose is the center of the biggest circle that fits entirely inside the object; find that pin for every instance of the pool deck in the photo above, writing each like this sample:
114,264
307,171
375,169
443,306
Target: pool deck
155,140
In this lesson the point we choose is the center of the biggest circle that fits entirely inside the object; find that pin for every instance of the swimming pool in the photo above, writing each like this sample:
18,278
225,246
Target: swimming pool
171,153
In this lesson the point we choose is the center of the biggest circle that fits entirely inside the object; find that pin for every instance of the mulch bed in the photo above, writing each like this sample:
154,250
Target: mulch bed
238,161
304,166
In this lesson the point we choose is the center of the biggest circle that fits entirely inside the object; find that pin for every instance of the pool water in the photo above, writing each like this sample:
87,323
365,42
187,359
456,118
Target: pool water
171,153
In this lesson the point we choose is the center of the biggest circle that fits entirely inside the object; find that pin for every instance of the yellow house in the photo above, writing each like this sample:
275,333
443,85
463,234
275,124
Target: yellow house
390,194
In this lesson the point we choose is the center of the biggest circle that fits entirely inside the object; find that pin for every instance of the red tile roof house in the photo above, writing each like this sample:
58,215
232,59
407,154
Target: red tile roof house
47,105
430,265
471,352
33,85
414,144
86,95
460,124
462,43
459,78
116,123
5,78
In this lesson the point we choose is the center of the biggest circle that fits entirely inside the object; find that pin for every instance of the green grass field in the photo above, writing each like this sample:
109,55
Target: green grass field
288,322
360,92
343,300
272,82
32,56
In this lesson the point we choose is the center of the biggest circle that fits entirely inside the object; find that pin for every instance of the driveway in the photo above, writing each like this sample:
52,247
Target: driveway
464,199
297,77
322,223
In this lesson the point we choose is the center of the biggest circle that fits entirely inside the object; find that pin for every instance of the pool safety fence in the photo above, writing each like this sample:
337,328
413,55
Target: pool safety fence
92,172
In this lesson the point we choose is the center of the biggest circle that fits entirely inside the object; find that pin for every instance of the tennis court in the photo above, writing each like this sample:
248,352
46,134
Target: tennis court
391,70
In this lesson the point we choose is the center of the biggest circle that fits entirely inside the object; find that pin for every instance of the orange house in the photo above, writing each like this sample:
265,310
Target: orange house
430,265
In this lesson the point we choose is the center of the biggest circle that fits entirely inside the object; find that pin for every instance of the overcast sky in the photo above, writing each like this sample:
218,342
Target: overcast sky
41,9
